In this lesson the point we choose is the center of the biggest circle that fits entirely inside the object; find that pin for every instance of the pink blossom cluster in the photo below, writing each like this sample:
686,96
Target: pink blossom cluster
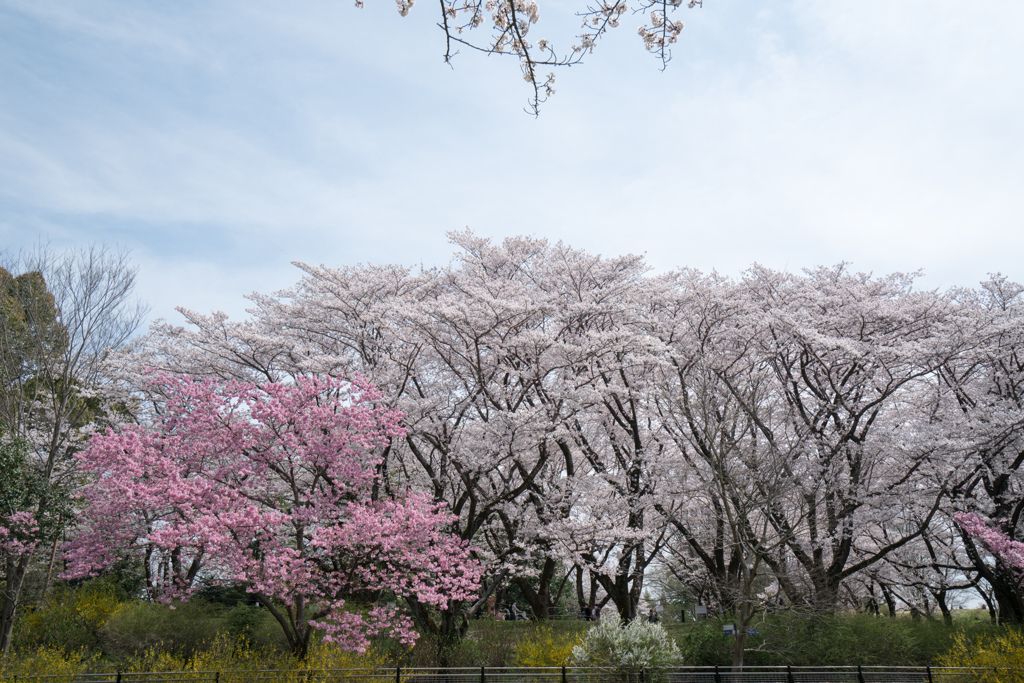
19,535
270,486
997,542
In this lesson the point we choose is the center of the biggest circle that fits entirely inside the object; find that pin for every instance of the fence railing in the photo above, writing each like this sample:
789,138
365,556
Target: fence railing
693,674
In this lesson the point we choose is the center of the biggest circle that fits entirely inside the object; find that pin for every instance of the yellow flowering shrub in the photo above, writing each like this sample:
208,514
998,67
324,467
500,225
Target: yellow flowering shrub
55,662
234,657
325,655
237,661
546,646
1000,650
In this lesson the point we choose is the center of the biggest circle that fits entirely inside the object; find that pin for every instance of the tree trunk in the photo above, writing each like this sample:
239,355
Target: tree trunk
890,601
1004,582
940,600
540,599
293,622
744,615
993,615
16,571
49,568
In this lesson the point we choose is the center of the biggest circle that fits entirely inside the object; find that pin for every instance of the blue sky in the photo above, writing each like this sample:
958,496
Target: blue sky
220,140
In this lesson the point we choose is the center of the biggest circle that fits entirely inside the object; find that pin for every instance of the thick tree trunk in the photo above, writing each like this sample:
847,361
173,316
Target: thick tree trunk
1008,598
451,623
624,596
890,601
1005,584
539,599
292,620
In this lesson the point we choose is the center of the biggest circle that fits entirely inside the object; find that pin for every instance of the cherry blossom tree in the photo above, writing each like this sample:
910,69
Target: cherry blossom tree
983,413
719,407
852,355
503,363
993,539
931,571
575,413
270,486
503,27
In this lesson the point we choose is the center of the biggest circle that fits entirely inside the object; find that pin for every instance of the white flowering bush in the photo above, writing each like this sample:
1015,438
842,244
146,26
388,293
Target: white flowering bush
637,651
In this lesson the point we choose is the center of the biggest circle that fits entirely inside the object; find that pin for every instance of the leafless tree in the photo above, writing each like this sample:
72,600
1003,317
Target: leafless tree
62,313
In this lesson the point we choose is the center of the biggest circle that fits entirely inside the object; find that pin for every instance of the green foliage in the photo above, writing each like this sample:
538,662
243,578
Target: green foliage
70,620
29,322
433,650
489,643
96,625
828,640
244,619
31,334
638,646
180,630
15,480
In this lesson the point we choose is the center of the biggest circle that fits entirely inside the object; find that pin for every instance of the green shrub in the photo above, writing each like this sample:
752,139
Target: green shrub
180,629
70,619
431,651
802,639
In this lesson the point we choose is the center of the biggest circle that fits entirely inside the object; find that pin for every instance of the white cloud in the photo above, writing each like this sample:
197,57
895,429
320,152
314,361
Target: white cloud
793,134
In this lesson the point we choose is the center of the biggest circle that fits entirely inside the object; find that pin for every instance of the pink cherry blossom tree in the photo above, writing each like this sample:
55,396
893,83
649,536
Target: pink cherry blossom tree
270,485
995,540
1006,573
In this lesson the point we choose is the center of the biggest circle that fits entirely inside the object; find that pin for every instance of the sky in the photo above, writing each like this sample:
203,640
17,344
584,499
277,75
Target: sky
221,140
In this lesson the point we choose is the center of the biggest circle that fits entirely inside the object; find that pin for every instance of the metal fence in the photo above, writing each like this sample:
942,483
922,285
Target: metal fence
698,674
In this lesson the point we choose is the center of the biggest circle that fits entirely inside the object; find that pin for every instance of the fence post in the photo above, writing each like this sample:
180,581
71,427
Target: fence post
860,675
216,677
789,674
483,675
929,670
718,676
563,675
398,674
118,677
